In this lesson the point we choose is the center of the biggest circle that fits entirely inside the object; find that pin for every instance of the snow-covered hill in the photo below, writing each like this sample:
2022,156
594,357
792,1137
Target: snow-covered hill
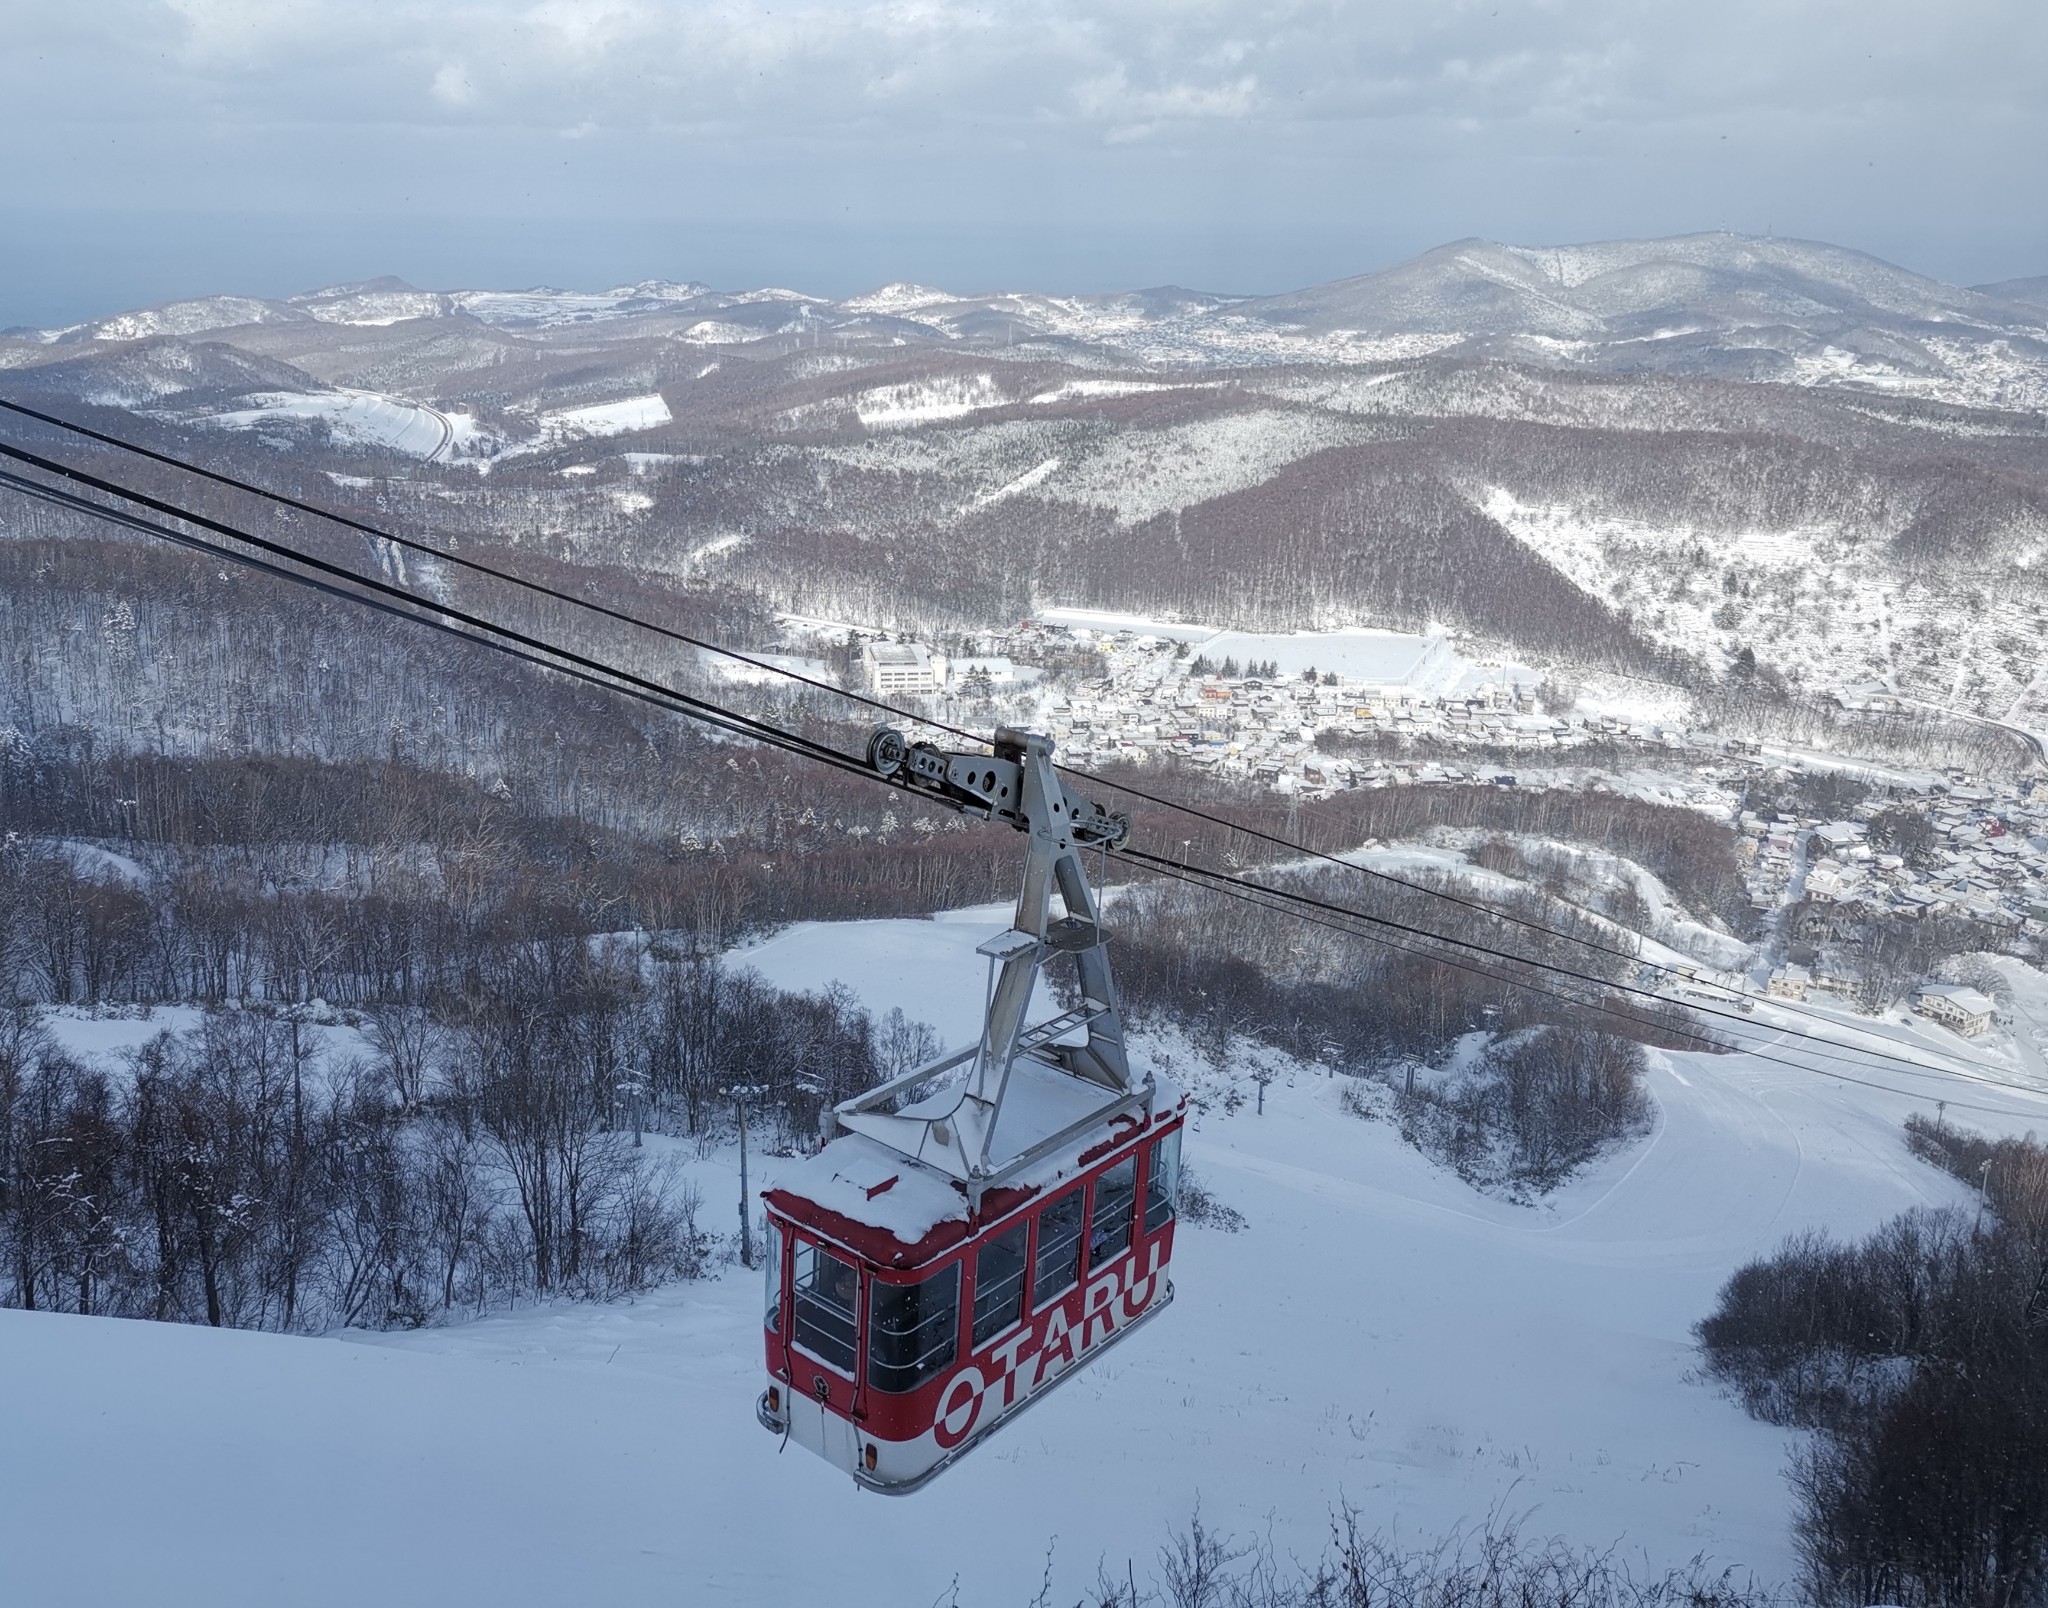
1379,1333
1654,456
1721,304
1477,287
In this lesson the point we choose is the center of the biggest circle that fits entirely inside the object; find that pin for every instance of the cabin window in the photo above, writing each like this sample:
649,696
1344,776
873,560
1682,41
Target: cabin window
1162,1181
1059,1248
999,1283
771,1261
827,1295
913,1330
1109,1228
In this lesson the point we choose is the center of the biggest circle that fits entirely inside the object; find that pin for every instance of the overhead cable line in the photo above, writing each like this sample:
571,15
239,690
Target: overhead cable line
1196,875
402,604
1278,900
425,614
1837,1050
1207,880
766,732
446,555
477,566
712,713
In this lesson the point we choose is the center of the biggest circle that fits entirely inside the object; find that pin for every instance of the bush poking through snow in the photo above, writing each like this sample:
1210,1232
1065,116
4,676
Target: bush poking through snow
1203,1209
1531,1111
2011,1173
1494,1568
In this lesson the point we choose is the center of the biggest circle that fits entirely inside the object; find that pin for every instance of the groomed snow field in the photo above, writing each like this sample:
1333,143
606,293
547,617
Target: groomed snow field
1378,1333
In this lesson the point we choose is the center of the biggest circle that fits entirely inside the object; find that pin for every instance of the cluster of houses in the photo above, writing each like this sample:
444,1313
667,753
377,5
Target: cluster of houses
1269,729
1152,700
1133,695
1152,697
1987,861
1138,696
1965,1011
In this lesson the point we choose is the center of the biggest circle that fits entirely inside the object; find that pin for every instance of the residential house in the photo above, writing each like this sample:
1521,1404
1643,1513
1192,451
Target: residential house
1961,1010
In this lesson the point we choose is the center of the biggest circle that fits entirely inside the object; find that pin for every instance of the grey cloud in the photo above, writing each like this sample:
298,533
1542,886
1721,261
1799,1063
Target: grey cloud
637,63
1281,137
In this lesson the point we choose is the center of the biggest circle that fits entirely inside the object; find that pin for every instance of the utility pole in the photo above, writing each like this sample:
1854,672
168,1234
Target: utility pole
741,1093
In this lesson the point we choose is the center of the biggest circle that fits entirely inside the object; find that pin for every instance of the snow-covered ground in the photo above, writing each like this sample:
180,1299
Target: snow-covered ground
623,417
1379,1333
895,407
1826,605
365,418
1427,665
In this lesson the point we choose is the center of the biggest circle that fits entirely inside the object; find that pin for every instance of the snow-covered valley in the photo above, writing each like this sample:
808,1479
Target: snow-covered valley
1379,1333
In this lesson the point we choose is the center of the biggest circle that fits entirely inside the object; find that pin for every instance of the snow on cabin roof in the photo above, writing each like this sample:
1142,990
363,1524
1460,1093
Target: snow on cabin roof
1039,1102
871,1186
864,1181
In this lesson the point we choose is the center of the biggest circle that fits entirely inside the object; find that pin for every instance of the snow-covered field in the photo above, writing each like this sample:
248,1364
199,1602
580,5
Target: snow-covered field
1427,665
1390,658
1379,1333
605,419
895,407
362,418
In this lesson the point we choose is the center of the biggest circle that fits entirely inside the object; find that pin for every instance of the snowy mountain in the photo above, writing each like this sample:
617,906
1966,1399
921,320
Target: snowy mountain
1616,289
1384,450
2031,293
1714,304
1706,304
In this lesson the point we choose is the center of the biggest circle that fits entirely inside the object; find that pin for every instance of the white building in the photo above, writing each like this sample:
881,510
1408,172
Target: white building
1789,982
1962,1010
899,667
1000,672
1827,884
1840,834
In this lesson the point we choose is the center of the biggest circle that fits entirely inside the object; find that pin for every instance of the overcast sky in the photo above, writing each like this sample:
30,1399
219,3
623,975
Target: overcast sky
159,148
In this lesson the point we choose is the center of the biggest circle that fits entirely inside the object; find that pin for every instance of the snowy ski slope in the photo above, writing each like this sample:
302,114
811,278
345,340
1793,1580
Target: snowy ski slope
1379,1333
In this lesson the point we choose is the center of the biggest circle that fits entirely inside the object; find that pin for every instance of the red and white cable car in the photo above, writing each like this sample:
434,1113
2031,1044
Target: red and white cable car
980,1227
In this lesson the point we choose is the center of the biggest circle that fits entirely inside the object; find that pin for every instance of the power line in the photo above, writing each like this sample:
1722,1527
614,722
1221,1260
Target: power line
599,673
1704,1008
713,713
1308,901
1228,886
674,703
448,556
1846,1053
1276,899
405,605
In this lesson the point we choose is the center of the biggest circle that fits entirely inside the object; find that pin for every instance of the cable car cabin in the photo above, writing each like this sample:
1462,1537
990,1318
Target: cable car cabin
976,1229
904,1325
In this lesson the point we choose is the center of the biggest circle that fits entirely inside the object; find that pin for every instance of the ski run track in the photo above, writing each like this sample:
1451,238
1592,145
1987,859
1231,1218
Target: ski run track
1379,1334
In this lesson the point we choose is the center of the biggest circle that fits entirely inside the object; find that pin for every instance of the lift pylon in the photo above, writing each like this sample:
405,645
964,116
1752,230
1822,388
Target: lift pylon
960,1131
